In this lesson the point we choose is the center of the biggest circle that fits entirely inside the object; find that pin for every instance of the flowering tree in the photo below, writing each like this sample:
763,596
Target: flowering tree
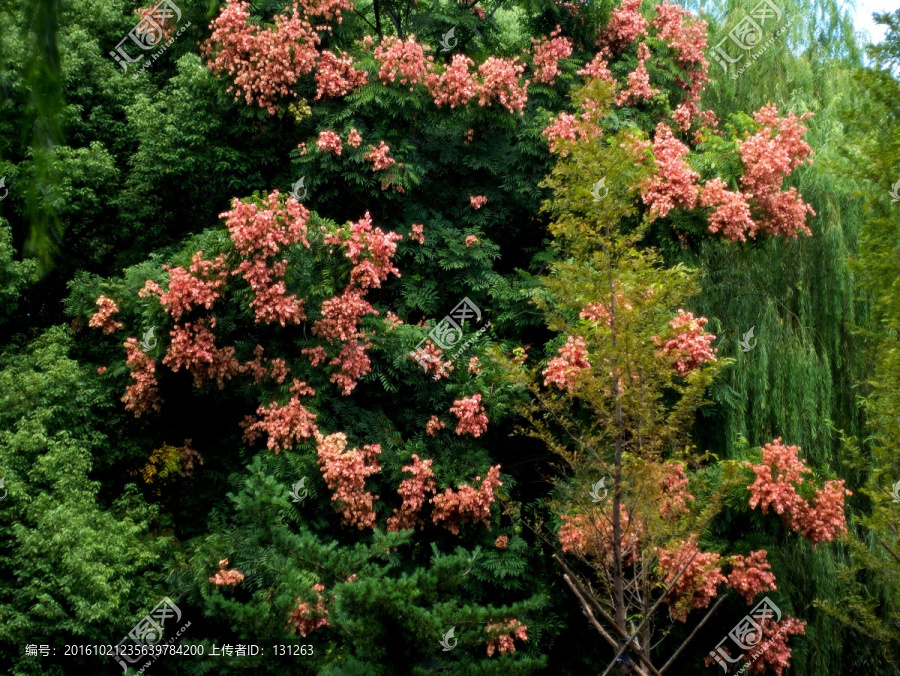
616,401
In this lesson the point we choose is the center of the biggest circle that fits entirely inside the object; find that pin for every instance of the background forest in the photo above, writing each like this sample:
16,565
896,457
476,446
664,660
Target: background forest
438,336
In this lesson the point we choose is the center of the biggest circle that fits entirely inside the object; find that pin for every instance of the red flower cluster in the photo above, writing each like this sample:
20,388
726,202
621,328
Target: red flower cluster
345,473
226,577
466,502
691,348
563,370
470,412
285,425
102,318
413,492
778,478
501,640
592,537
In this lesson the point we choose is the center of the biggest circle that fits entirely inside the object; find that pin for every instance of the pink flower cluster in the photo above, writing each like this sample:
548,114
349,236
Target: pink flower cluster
143,394
598,311
413,492
259,233
278,369
336,76
501,636
353,138
306,618
750,575
779,476
193,348
433,425
345,473
638,86
777,655
768,156
592,536
404,59
673,490
477,201
697,585
501,83
429,357
472,419
455,86
379,157
626,23
285,425
418,233
566,129
192,288
466,503
226,577
732,214
547,53
675,184
329,141
102,318
572,361
263,63
691,347
370,250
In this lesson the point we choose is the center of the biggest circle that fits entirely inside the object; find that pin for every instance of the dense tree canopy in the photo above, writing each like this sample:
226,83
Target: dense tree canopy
448,337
